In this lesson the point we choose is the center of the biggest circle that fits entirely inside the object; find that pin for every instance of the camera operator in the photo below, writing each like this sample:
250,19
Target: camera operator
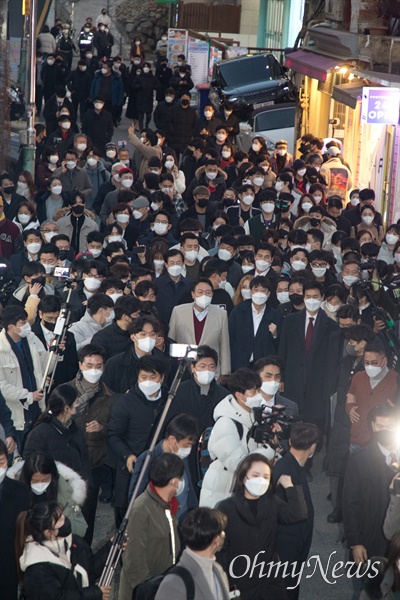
229,442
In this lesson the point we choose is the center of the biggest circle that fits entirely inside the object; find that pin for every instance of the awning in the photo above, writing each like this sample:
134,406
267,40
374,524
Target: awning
348,93
311,64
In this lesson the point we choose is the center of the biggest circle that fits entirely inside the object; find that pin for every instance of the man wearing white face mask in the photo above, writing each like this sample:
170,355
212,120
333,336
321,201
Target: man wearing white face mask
229,443
294,540
181,435
375,386
259,223
100,312
93,412
270,370
97,173
98,121
172,285
302,349
210,176
22,363
202,323
119,373
133,419
254,326
72,177
161,227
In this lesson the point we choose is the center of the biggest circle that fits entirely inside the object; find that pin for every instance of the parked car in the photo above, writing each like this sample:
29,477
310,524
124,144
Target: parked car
250,82
274,122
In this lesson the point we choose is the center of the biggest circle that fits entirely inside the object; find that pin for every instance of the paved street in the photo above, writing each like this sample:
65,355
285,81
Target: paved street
326,540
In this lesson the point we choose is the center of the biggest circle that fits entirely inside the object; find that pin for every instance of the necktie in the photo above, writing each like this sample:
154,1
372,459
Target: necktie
309,333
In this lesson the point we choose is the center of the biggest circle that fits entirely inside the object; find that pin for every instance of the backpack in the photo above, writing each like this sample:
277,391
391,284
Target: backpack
204,459
148,589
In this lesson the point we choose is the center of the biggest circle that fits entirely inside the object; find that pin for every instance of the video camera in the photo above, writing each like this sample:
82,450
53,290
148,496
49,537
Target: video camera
263,429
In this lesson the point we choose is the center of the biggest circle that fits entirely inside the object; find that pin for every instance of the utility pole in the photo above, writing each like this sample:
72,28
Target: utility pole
4,96
30,11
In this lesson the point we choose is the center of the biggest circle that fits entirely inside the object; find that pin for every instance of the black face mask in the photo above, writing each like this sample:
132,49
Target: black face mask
202,202
49,326
296,299
147,306
9,189
185,102
63,254
228,202
314,222
384,437
78,209
283,234
304,148
351,350
66,529
41,280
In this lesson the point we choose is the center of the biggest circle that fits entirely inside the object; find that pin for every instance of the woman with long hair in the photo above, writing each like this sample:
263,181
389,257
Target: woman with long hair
254,513
51,481
53,563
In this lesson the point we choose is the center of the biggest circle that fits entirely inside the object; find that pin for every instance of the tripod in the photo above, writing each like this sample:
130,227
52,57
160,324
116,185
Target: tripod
60,331
119,537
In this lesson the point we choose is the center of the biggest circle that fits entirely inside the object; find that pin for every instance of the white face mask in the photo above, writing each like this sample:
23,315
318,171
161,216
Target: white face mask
99,106
48,236
279,185
259,298
355,200
349,279
268,207
137,214
282,297
208,114
81,147
367,219
154,206
247,268
53,159
191,255
49,268
257,486
262,265
24,219
91,283
169,164
205,377
146,69
92,162
148,388
258,181
70,164
333,308
169,99
225,154
22,186
317,199
127,183
160,228
301,172
256,147
224,254
281,152
298,265
33,248
391,238
114,238
92,375
181,486
110,153
146,344
66,125
203,301
56,191
246,294
89,55
82,68
306,206
270,388
95,253
25,330
248,199
312,304
254,401
122,218
175,270
115,297
158,264
40,488
211,175
318,271
183,453
104,71
372,370
221,137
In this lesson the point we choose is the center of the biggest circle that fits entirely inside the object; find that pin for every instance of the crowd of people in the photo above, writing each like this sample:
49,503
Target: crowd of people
277,269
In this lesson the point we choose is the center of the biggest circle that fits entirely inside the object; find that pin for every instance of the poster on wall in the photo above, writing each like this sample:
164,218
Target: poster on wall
197,58
177,44
215,56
